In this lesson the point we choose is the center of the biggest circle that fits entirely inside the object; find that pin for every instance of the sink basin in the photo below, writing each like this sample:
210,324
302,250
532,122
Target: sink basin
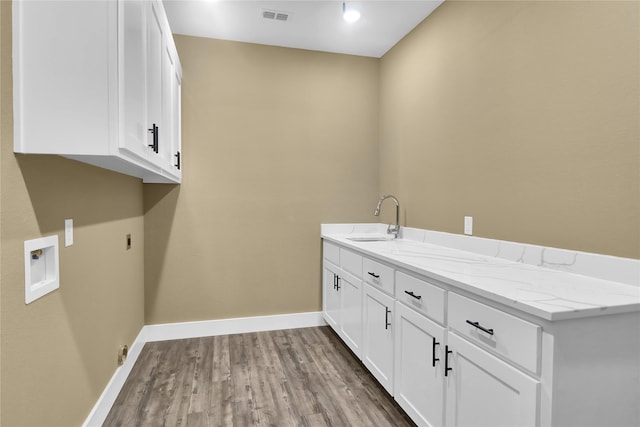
370,238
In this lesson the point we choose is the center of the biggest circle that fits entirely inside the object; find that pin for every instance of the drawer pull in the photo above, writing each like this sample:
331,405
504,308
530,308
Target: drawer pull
337,283
447,352
434,359
377,276
413,295
482,328
386,318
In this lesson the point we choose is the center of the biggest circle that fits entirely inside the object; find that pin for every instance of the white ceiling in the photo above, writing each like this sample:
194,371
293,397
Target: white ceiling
312,24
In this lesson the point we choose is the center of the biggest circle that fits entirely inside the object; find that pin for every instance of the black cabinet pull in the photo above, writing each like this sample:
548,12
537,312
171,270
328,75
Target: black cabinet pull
447,352
386,318
377,276
413,295
154,131
337,283
177,156
433,352
482,328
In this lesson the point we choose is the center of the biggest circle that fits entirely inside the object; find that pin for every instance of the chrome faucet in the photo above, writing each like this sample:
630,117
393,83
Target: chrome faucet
392,229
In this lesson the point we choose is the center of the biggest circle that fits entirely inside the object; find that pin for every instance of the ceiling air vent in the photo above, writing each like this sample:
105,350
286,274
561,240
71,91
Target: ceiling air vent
275,15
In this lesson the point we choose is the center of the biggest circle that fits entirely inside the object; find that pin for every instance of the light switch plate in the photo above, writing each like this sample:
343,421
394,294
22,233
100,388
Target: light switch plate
468,225
68,232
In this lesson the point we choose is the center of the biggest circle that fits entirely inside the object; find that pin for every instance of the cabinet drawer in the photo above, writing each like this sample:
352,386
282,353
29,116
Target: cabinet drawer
331,252
378,275
507,335
424,297
351,262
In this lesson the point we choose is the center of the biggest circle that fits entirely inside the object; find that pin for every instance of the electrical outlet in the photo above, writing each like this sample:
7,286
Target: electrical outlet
128,241
468,225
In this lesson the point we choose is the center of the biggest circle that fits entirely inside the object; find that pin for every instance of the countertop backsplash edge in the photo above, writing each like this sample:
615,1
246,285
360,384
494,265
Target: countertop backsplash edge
599,266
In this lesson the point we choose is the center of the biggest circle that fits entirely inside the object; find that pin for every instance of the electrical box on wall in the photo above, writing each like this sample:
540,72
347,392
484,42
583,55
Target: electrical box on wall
41,267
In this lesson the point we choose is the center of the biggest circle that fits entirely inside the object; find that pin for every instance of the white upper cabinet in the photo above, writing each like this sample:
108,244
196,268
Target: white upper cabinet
98,82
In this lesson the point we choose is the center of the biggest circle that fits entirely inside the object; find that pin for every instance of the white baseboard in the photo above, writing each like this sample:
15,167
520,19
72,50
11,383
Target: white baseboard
108,397
207,328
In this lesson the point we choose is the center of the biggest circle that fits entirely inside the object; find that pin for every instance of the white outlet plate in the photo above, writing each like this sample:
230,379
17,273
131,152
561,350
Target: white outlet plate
68,232
468,225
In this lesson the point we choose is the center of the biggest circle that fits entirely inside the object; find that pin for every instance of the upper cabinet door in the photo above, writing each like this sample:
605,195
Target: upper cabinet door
174,111
62,76
164,80
171,90
132,48
155,34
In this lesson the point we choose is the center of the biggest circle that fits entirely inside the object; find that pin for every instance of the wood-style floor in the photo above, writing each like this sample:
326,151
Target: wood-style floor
296,377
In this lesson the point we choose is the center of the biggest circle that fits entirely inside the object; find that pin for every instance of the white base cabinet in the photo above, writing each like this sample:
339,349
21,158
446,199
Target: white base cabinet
419,367
98,82
342,291
453,359
350,288
482,389
485,391
377,335
331,295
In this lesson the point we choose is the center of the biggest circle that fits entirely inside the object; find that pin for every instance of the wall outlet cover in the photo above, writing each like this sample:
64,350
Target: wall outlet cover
68,232
468,225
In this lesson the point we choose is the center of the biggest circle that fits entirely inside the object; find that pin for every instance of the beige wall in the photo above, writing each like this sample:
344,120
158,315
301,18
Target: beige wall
59,352
4,118
275,142
524,115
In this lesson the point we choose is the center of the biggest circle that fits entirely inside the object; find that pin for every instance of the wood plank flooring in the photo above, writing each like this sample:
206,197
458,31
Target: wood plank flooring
295,377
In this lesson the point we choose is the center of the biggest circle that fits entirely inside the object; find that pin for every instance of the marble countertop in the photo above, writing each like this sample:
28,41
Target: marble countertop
542,292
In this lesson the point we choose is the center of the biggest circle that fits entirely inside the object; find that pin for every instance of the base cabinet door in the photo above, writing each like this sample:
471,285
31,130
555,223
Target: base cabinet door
419,367
331,295
377,335
350,289
482,390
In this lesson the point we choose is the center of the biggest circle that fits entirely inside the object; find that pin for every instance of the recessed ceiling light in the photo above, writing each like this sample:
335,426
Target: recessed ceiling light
349,15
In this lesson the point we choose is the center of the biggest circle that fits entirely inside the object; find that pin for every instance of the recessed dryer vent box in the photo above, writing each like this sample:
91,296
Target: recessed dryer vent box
41,267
